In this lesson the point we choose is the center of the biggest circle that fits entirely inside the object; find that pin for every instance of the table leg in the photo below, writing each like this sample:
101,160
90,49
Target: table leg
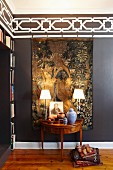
81,135
62,140
42,136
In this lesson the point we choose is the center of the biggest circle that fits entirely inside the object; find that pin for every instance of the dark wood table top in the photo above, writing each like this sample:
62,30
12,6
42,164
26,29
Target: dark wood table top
56,127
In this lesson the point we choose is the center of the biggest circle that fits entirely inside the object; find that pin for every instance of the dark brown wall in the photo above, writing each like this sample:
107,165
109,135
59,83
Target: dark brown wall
24,130
102,93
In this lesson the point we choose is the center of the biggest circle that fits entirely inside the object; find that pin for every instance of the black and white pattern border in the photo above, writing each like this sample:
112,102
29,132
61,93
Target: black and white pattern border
89,26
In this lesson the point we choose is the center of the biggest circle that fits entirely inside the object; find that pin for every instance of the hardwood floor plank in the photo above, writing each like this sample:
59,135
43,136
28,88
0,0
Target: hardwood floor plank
26,159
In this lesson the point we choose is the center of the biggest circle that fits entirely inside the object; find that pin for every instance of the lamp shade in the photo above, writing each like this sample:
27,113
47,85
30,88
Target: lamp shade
45,94
78,94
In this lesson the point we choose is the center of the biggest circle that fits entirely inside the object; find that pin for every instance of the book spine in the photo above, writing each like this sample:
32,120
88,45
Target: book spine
12,110
8,41
1,35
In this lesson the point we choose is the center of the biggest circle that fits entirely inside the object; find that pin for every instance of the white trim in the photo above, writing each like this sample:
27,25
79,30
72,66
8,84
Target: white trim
56,145
54,36
22,36
84,35
103,36
68,36
40,36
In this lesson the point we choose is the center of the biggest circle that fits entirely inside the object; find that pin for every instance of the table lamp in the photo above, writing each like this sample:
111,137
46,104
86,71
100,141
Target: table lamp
78,94
45,94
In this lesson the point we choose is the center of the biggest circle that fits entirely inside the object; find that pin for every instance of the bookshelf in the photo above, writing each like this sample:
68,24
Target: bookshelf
7,108
12,89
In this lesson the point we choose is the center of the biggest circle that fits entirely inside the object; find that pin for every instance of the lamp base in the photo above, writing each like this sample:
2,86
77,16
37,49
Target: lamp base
45,114
45,117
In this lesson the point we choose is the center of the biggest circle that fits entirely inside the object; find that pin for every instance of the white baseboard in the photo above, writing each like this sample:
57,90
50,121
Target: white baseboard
56,145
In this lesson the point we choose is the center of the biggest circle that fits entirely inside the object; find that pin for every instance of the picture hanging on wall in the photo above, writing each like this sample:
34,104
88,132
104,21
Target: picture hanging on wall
61,65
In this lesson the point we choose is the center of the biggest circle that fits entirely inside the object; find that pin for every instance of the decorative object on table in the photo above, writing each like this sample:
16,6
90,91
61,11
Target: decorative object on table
60,115
71,116
61,65
45,95
50,121
65,121
84,155
78,94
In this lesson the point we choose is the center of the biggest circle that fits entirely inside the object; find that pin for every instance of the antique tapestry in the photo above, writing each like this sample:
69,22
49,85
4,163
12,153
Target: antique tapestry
61,65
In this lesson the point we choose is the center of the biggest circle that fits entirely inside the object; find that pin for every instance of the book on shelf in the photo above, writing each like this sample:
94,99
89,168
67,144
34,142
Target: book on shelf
12,110
12,60
13,141
11,92
8,41
1,35
12,128
11,45
11,76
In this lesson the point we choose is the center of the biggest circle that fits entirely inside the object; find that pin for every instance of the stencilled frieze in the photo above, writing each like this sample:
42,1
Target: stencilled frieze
63,25
56,25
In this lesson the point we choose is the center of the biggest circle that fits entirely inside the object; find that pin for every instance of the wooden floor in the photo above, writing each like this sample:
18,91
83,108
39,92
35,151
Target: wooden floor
50,160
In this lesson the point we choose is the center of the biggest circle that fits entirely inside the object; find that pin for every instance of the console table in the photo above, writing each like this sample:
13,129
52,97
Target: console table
61,129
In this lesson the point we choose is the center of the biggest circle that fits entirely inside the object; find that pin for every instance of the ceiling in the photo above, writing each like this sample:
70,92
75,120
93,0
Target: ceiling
61,6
